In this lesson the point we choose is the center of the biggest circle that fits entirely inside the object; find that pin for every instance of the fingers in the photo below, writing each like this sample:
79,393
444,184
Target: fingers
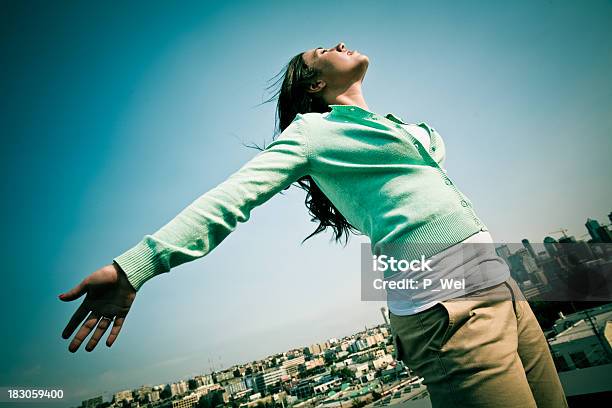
117,325
102,326
75,292
75,320
83,332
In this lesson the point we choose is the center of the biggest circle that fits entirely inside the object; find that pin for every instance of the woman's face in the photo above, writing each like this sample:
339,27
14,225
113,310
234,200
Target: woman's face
339,67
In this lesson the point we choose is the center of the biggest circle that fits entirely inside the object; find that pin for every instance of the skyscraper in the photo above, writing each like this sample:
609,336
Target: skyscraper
529,248
383,310
504,252
592,226
551,247
604,234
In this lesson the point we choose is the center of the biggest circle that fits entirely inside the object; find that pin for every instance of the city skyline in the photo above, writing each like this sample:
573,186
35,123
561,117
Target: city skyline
220,368
118,118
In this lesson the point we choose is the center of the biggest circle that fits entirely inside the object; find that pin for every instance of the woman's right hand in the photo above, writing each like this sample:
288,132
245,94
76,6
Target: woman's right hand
109,294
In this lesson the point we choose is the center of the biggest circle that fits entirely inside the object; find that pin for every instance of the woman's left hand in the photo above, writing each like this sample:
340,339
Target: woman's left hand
109,296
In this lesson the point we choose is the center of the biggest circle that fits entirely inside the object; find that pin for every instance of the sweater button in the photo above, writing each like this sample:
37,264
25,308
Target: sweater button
433,148
447,182
464,203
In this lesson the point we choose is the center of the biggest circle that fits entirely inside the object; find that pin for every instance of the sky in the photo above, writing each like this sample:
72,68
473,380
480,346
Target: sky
116,116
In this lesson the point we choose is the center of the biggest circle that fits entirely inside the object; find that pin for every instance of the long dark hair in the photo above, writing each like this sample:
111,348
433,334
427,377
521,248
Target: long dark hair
293,99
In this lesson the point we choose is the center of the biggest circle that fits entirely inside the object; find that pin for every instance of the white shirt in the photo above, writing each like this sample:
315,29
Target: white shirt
419,133
473,260
481,267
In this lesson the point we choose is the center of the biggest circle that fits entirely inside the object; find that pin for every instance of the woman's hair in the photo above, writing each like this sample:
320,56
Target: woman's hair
293,99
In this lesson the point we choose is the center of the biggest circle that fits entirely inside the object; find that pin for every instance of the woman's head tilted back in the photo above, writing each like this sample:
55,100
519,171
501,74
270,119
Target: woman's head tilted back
312,81
317,78
340,72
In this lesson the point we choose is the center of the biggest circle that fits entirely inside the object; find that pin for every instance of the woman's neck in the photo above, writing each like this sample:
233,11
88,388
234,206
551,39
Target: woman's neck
352,96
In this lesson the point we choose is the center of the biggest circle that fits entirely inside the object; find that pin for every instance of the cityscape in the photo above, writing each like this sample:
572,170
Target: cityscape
360,370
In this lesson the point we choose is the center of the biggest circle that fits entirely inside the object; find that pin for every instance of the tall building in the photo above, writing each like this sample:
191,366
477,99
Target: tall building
504,252
262,380
604,234
529,248
142,392
315,348
123,396
383,310
292,365
177,388
550,244
517,266
592,226
523,267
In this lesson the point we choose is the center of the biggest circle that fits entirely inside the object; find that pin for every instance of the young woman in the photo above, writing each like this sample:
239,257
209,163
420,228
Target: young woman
376,175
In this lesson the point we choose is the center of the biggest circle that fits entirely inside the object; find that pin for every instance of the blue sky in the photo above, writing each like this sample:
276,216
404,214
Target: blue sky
115,117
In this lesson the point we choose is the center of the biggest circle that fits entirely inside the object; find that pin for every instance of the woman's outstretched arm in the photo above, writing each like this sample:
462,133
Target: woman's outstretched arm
192,234
200,227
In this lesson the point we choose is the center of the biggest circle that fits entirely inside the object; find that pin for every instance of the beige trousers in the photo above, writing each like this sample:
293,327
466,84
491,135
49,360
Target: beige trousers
485,349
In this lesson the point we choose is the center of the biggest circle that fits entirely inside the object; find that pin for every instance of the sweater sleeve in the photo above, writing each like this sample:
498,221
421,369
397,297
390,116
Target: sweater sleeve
201,226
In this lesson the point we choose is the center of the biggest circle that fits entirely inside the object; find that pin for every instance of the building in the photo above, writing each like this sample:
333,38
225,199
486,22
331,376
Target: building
125,395
604,234
317,362
529,248
178,388
503,252
581,350
153,396
302,390
522,265
592,226
551,246
383,311
188,401
324,387
262,381
292,365
220,377
318,347
383,361
143,392
579,340
358,345
92,402
235,386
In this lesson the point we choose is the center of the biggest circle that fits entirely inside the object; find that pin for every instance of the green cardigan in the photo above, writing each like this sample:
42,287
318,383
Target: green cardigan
381,178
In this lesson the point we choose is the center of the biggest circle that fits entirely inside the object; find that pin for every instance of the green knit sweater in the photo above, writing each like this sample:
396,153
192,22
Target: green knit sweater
380,178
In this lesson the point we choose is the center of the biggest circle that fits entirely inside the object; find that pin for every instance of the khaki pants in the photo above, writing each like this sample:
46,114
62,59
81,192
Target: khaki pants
485,349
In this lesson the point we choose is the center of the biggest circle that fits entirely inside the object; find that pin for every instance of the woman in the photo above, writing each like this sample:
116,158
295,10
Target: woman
371,174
